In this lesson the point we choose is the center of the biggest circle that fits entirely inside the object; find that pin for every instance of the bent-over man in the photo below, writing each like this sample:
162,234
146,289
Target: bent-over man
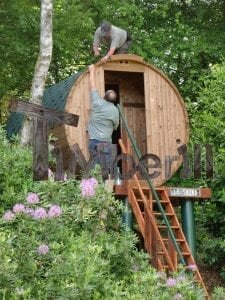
116,39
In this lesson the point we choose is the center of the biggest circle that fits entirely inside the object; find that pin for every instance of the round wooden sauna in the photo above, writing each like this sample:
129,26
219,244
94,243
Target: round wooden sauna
152,105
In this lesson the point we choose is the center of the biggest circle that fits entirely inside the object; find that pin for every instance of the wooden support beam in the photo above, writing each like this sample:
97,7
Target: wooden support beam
173,192
34,110
41,116
59,172
40,150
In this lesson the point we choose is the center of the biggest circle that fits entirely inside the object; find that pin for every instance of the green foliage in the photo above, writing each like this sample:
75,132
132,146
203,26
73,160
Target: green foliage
176,36
219,293
15,171
208,123
86,251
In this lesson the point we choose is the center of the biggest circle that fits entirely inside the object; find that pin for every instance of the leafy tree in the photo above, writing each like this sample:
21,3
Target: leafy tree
208,126
41,67
180,37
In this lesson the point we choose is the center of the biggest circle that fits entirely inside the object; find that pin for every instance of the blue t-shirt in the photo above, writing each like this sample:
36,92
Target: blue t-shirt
103,120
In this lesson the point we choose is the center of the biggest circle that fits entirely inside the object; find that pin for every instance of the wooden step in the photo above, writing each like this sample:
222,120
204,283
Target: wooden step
167,214
165,227
161,201
178,240
183,253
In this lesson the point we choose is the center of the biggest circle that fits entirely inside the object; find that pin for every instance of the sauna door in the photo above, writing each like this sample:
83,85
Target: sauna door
130,89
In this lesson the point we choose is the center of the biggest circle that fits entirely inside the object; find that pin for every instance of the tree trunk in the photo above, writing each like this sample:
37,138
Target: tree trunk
41,68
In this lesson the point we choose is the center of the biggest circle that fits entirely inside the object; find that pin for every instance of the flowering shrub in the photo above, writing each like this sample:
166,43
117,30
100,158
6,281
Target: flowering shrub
56,244
8,216
66,241
32,198
88,187
36,213
43,249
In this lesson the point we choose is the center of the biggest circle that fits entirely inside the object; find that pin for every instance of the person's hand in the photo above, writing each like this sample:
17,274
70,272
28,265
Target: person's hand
104,59
97,53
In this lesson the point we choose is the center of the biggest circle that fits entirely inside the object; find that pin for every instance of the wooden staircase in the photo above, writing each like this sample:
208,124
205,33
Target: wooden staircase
163,237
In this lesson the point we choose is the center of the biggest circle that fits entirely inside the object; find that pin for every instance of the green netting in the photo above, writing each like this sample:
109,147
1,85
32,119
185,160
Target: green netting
55,97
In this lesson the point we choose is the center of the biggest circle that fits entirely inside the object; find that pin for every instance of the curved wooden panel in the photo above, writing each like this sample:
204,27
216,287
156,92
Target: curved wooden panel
153,107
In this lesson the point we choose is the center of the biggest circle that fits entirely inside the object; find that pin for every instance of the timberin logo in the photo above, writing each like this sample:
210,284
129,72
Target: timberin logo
150,164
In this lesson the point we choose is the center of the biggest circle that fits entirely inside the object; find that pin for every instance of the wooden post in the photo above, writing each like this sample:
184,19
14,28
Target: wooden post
59,172
40,149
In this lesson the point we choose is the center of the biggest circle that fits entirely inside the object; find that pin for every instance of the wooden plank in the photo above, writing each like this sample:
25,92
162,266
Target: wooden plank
59,172
34,110
121,190
40,149
79,156
192,193
137,212
147,231
202,193
127,57
72,166
124,67
197,161
209,161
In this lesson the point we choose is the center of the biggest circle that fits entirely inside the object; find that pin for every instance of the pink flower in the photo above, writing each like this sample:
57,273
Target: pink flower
93,181
54,211
32,198
29,211
192,267
43,249
88,187
8,216
40,213
18,208
171,282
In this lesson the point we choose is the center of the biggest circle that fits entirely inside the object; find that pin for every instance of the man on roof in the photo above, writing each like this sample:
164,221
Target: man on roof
117,40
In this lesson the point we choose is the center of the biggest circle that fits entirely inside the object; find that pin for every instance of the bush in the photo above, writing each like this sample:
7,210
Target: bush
66,240
208,123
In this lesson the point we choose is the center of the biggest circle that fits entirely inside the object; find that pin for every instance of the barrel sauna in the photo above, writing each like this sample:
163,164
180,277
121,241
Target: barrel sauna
153,108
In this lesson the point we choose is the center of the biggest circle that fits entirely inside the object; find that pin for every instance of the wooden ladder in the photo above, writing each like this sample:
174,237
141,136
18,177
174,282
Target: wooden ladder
166,252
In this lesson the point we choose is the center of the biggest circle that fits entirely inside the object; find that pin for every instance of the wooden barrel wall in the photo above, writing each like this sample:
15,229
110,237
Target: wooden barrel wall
153,107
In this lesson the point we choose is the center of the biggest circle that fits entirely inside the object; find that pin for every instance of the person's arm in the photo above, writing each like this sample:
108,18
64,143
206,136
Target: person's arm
96,43
109,53
92,78
96,50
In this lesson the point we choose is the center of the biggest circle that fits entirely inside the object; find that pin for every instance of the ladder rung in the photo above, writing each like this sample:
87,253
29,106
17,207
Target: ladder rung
186,253
183,253
160,253
167,214
165,227
165,267
178,240
161,201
